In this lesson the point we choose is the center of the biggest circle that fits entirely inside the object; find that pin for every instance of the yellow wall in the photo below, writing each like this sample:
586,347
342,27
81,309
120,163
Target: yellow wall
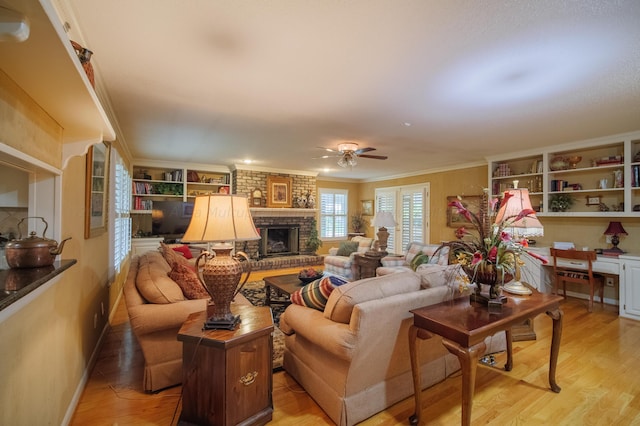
468,181
47,345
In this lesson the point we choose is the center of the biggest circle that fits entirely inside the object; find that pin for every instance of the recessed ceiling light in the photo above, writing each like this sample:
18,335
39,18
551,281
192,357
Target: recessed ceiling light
407,124
247,161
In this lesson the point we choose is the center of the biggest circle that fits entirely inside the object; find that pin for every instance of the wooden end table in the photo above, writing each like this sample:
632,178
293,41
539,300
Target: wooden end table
367,263
283,285
227,374
464,325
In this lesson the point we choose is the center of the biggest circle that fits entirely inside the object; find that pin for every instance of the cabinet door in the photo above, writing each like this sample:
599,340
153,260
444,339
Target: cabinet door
631,300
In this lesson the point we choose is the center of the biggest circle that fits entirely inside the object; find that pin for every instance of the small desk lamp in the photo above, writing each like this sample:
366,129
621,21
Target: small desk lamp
221,219
383,220
527,226
614,229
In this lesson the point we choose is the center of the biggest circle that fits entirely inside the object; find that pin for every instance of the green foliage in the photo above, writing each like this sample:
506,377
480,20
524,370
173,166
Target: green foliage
560,202
357,222
314,243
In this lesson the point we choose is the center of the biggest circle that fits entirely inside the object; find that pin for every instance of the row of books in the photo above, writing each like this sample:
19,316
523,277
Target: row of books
635,176
142,188
142,204
558,185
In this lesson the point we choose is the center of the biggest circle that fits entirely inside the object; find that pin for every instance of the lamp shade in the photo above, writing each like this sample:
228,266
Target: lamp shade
517,201
221,217
384,220
615,228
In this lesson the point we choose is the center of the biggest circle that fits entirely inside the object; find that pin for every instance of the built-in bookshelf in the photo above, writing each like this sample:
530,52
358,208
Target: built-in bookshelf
600,177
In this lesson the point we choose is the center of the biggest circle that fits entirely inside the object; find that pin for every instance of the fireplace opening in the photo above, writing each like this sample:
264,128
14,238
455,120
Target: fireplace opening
279,240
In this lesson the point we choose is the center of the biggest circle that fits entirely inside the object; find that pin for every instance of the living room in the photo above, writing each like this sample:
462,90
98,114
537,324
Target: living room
51,340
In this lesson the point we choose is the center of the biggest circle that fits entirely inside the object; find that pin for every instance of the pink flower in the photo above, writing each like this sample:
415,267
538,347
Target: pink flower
461,209
493,254
505,236
524,213
477,257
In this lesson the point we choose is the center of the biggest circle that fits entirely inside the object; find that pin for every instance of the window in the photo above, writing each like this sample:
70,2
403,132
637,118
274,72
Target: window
333,213
121,221
409,208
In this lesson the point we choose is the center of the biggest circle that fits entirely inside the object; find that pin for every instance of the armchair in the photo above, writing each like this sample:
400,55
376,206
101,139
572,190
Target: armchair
337,262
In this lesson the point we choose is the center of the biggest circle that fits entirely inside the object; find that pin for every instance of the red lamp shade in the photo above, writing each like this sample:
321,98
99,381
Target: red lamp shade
615,228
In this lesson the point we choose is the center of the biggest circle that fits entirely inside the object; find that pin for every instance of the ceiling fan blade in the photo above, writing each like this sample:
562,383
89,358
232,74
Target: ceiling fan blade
328,149
362,150
325,156
375,157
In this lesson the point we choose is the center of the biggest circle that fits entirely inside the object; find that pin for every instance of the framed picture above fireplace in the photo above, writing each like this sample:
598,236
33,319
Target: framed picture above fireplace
278,191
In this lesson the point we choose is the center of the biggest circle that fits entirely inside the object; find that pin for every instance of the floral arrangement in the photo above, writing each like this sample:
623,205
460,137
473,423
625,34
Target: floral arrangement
492,250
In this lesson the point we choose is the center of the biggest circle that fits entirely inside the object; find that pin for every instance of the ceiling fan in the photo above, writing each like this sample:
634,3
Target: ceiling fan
349,153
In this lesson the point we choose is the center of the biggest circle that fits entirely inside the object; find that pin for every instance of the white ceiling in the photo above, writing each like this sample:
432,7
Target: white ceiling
429,83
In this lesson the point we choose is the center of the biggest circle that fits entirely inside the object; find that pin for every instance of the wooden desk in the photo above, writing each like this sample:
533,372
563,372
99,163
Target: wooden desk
464,325
227,374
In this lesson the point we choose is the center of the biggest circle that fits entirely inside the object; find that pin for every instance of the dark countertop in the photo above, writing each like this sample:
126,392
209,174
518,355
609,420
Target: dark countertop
17,283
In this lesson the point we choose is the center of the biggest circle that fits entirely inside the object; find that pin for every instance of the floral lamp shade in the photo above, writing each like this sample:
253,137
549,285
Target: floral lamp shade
510,215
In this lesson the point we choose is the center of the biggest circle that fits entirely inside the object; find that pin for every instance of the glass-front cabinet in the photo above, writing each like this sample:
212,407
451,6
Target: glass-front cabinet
599,177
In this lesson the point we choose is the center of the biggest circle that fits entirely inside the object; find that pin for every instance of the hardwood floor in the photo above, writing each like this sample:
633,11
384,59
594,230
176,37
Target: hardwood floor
597,370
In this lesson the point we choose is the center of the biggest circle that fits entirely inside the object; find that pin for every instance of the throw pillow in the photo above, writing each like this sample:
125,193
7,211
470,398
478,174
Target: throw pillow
171,256
316,293
184,250
433,275
347,247
188,281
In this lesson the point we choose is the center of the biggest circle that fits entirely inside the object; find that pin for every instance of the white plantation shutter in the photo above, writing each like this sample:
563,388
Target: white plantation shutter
409,206
412,215
386,202
333,213
121,222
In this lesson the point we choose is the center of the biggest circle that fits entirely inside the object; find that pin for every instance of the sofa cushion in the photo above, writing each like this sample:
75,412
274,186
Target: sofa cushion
152,281
315,294
344,298
432,275
188,281
347,247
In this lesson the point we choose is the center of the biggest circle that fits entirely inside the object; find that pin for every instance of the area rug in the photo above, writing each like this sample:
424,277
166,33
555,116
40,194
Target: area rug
255,293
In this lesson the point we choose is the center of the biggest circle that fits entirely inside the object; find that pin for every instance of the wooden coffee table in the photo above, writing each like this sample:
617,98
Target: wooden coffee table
464,325
283,285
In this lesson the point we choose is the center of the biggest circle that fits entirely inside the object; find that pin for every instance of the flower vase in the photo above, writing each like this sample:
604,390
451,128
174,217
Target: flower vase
489,281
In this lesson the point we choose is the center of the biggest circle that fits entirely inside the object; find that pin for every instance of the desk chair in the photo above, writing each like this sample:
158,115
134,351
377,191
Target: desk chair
578,274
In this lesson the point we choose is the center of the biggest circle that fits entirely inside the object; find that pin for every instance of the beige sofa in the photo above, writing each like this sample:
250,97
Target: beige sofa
353,357
157,308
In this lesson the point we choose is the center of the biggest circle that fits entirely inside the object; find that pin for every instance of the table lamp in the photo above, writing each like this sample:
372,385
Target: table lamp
383,220
221,219
614,229
528,226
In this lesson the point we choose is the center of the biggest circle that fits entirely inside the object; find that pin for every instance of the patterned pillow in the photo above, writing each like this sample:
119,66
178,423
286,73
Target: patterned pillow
347,247
364,243
316,293
188,281
171,256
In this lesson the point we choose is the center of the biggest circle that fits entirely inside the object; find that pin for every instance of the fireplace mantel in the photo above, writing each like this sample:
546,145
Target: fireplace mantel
282,212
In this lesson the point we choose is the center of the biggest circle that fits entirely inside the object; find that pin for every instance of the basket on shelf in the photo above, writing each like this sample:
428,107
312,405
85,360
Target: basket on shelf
84,55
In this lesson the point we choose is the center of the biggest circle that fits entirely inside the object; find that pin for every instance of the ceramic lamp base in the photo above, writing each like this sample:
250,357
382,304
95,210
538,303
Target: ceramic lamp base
516,287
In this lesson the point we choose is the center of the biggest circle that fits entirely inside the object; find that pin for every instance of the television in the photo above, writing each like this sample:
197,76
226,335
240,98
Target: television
170,218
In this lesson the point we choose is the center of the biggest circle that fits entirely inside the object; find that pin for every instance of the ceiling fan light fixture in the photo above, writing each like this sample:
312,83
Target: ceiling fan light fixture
346,147
348,159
